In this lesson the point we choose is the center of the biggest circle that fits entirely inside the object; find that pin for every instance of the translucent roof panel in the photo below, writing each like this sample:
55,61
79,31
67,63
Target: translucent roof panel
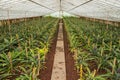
26,8
101,9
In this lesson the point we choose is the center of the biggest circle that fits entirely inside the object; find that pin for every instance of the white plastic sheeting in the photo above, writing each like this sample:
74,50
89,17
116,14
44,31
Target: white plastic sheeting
101,9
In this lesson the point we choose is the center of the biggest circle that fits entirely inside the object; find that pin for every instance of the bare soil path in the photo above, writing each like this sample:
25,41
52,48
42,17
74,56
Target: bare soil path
59,69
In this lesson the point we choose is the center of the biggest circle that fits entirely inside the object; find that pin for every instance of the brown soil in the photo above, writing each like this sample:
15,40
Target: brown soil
71,72
46,73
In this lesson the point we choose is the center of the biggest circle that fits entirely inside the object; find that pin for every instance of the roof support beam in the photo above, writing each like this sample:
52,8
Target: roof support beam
80,5
41,5
60,6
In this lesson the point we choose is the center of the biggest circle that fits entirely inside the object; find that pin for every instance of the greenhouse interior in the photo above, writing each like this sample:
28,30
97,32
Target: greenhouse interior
59,39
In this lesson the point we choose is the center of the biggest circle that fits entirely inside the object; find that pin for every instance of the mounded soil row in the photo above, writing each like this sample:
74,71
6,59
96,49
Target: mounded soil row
71,72
45,74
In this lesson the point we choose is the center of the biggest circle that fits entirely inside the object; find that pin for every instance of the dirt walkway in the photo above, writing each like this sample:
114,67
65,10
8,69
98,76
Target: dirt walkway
63,68
59,69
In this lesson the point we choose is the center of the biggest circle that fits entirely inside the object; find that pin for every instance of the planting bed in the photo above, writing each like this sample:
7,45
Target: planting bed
24,47
45,74
96,48
71,72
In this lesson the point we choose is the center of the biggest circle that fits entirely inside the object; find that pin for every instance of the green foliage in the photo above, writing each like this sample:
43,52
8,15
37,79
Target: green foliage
23,48
97,43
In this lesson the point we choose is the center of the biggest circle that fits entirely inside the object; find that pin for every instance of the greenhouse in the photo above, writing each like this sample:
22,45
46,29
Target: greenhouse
59,39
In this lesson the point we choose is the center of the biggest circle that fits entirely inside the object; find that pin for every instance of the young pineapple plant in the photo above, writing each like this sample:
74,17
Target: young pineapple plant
101,45
24,52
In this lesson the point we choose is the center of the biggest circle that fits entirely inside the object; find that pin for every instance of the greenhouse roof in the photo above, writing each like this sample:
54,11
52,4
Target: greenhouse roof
101,9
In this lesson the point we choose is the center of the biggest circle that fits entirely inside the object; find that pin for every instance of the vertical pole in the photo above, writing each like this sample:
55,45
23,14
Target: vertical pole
25,19
0,22
107,18
59,14
8,21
